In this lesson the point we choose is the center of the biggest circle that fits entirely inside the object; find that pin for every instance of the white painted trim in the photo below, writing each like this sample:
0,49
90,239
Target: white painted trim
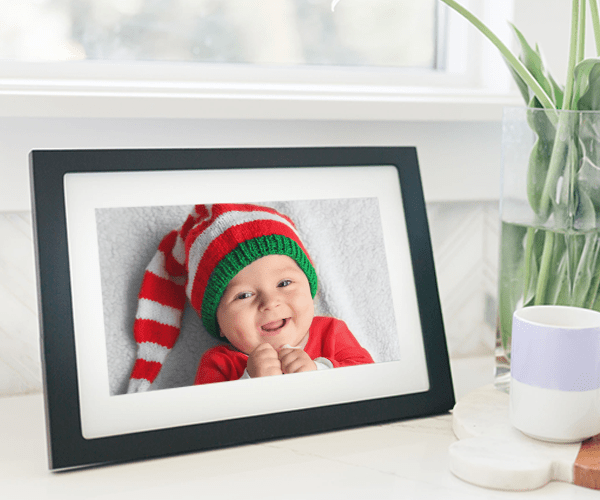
336,104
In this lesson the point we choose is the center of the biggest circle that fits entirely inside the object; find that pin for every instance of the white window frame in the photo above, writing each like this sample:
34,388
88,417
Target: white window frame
465,91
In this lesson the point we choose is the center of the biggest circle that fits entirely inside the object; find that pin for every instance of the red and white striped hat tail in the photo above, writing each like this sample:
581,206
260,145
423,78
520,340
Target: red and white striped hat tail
161,303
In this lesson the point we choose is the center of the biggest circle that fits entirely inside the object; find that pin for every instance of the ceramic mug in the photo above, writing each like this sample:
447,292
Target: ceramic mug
555,373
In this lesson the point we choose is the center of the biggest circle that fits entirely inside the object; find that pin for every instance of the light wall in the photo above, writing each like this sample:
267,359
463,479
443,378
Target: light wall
459,160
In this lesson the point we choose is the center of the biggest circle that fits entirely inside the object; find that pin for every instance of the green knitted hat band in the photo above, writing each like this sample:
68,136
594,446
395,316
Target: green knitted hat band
240,257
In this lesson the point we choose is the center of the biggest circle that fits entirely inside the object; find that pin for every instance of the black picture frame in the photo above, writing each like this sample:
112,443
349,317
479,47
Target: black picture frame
67,446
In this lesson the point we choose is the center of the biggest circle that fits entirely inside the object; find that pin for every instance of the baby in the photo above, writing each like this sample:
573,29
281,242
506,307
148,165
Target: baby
249,277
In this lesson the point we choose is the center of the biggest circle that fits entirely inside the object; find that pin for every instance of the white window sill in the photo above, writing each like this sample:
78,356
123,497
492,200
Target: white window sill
249,101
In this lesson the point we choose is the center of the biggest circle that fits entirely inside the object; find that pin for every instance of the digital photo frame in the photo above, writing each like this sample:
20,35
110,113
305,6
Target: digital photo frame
98,218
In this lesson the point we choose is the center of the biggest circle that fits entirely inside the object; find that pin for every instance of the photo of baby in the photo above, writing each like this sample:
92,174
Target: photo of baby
231,291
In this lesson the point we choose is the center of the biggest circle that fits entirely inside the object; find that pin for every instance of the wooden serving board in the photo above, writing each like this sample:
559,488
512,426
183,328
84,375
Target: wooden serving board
492,453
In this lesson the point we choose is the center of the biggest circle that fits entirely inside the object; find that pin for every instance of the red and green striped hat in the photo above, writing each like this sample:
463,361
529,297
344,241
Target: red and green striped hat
199,260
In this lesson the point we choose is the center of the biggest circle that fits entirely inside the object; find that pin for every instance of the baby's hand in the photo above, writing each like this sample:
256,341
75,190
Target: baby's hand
295,361
263,362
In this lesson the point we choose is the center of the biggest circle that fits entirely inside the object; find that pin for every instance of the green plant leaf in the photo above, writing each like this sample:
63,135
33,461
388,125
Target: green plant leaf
523,87
586,95
511,275
595,23
539,121
558,92
588,178
585,217
566,202
585,271
509,57
534,245
573,250
531,280
532,60
558,287
562,154
595,285
589,137
539,160
545,267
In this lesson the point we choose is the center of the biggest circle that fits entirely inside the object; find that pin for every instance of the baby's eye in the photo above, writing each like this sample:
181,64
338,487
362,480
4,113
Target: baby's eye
243,295
284,283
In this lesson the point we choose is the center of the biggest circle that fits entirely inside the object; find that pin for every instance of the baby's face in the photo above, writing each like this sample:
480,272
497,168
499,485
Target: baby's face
268,301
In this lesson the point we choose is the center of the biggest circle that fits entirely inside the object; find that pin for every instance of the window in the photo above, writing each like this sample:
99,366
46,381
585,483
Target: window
232,57
398,33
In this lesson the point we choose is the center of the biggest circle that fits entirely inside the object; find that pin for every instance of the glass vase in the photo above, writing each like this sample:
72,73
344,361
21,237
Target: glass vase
550,213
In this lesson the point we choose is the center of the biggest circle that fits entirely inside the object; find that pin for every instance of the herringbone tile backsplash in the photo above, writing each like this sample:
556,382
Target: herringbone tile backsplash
465,246
465,240
20,366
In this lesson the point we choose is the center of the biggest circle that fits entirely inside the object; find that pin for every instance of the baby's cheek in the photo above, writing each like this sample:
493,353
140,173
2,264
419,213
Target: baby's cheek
308,313
245,341
238,330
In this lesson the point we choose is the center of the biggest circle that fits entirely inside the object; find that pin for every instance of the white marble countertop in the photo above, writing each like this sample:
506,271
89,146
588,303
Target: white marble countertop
406,459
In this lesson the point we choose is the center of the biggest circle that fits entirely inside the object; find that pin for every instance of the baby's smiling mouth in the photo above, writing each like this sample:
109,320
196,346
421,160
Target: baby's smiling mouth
273,327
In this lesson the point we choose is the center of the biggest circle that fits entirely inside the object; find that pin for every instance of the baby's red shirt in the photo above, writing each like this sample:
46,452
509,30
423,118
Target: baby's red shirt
328,338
